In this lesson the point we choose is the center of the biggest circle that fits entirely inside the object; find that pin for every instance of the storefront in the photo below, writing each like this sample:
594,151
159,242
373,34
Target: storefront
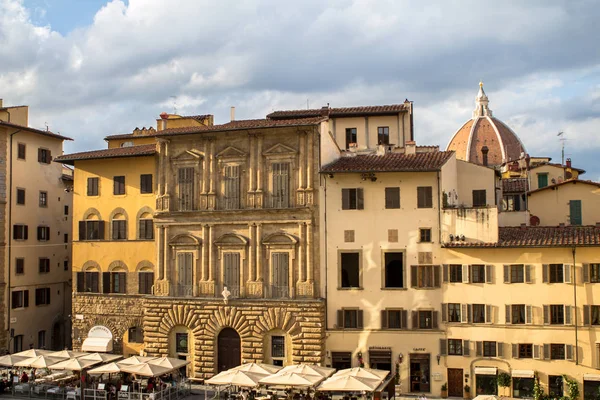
420,375
380,358
522,381
486,381
341,359
99,339
591,386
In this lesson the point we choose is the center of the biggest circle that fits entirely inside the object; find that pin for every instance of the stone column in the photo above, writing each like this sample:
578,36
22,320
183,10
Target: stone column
309,162
161,169
309,244
301,157
167,259
301,277
166,169
205,167
212,167
160,254
252,261
211,276
259,164
252,161
205,245
259,268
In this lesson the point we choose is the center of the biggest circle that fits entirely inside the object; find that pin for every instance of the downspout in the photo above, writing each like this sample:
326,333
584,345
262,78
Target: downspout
8,294
574,250
324,229
439,209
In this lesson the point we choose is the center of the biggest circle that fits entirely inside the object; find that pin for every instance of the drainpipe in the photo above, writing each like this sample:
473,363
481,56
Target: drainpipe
574,250
439,209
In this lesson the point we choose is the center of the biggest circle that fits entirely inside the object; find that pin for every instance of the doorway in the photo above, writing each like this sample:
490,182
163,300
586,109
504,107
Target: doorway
455,382
419,373
229,352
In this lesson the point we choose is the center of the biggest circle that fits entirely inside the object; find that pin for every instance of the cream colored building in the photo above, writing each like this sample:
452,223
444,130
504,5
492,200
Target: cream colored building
36,206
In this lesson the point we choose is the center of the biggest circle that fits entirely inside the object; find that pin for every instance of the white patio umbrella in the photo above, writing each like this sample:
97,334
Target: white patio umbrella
134,360
111,368
238,378
349,383
67,354
363,373
74,364
10,359
266,369
32,353
168,362
103,357
291,379
39,362
308,369
145,369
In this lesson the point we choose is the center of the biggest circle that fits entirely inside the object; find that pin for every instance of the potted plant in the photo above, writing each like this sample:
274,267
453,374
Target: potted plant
504,381
445,391
398,387
572,387
467,392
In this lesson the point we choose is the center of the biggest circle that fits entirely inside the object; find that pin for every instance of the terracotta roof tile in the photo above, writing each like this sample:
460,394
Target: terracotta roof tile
197,117
118,152
539,236
515,185
581,171
573,181
241,125
38,131
391,162
338,112
123,136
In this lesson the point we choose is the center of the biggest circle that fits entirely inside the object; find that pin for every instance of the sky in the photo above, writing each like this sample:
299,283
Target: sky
91,68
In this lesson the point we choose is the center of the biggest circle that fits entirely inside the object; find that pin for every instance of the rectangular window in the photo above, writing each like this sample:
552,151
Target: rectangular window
425,276
231,279
42,296
280,280
477,273
181,342
555,386
43,199
118,185
556,273
88,282
350,319
44,156
44,265
43,233
557,314
281,185
19,266
341,360
278,346
146,229
146,281
479,199
392,197
117,282
350,270
513,202
21,151
557,351
517,273
65,238
18,343
594,273
383,135
135,335
20,232
424,197
517,312
352,199
456,273
455,347
91,230
350,137
92,186
119,230
575,212
185,189
453,312
42,339
542,180
425,319
66,210
478,313
425,235
66,265
146,183
394,319
394,270
231,189
21,196
489,349
525,350
595,315
20,299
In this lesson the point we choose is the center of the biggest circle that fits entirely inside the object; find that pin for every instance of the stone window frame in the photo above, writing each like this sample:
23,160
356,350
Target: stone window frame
404,268
116,212
271,246
178,244
225,245
93,266
360,268
115,267
138,218
144,267
187,159
228,157
280,153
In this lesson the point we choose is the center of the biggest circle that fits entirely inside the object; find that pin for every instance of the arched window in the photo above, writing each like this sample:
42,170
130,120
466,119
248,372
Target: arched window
88,278
127,144
92,226
145,227
115,280
145,277
119,227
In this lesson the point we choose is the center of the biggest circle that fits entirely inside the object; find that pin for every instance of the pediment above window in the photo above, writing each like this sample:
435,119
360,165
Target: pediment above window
280,239
231,239
230,153
279,150
188,155
184,240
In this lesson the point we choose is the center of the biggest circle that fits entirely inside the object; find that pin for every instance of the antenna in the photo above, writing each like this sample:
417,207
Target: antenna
563,139
174,104
47,127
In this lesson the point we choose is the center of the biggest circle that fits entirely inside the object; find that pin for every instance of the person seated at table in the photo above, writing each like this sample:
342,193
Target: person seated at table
24,377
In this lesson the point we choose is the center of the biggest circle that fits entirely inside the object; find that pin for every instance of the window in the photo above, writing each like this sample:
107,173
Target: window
231,273
350,270
18,343
280,266
424,197
146,228
119,229
281,185
425,319
478,313
278,346
425,276
392,197
453,312
20,266
352,199
542,180
20,232
517,312
66,238
394,318
477,273
425,235
43,233
181,342
43,199
118,185
135,334
525,350
88,282
555,386
455,347
146,183
479,199
350,319
92,186
341,360
21,151
556,273
91,230
42,296
114,282
350,137
44,156
21,196
20,299
146,281
44,265
455,273
594,314
514,202
66,211
66,265
594,273
394,270
575,212
231,188
185,189
557,314
557,351
42,339
517,274
523,387
489,349
383,135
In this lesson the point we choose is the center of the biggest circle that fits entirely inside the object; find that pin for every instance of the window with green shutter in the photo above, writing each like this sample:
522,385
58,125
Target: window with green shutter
542,180
575,212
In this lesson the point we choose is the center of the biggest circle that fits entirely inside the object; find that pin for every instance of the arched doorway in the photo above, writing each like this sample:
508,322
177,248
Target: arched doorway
229,350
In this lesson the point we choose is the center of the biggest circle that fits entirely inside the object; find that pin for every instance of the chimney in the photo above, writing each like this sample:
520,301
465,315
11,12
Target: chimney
163,121
568,161
325,111
484,154
410,148
232,114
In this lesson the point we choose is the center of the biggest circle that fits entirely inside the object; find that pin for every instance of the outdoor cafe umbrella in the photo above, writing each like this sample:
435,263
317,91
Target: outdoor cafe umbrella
39,362
168,362
291,379
103,357
74,364
32,353
363,373
67,354
308,369
111,368
134,360
145,369
266,369
349,383
237,378
10,359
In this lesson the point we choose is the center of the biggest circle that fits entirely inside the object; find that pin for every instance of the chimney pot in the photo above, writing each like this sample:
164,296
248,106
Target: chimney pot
325,111
568,161
410,148
164,115
232,114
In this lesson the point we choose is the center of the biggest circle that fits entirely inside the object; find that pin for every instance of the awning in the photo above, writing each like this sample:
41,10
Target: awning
522,373
591,377
486,371
97,344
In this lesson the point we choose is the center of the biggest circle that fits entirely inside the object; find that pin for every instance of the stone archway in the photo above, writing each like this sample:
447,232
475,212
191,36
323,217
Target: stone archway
229,349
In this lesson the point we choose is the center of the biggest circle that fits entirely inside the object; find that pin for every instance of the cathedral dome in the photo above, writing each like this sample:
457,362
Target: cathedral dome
485,135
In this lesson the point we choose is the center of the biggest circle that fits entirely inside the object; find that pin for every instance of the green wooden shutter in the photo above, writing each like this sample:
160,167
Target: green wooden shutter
542,180
575,212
